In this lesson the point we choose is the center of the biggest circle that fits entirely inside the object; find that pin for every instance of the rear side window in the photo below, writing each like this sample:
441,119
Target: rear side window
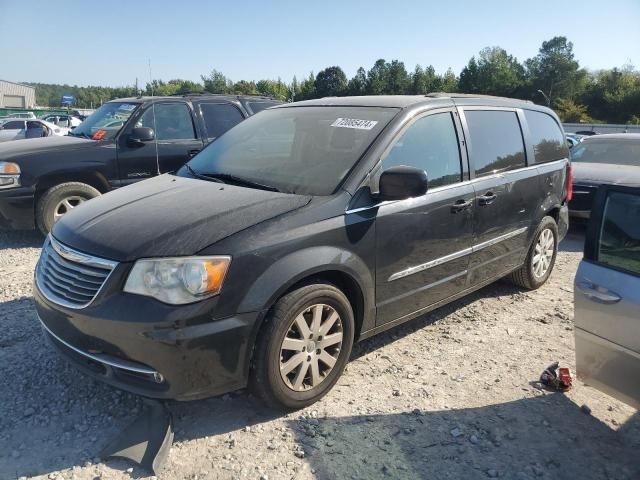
430,144
619,244
496,141
15,125
546,137
219,117
256,107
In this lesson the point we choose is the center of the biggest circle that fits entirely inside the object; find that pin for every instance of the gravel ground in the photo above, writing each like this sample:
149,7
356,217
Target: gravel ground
450,395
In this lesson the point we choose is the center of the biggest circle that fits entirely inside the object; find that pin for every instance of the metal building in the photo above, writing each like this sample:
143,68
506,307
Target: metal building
16,95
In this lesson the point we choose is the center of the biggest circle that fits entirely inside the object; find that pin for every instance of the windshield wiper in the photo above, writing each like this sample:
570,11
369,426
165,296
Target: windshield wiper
82,135
227,178
201,176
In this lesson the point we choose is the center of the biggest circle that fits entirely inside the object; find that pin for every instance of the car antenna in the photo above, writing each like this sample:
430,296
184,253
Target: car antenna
153,113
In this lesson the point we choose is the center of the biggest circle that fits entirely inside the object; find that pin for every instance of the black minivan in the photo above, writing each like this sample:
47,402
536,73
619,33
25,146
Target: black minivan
301,230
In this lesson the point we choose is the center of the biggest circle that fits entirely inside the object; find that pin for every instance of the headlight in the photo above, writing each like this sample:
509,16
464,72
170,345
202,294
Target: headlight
178,280
9,175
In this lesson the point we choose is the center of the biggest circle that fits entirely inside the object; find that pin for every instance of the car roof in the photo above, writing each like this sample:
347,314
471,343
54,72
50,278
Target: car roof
404,101
630,137
194,96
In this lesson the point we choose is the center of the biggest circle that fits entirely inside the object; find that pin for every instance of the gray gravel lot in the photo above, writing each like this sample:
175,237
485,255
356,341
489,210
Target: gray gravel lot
450,395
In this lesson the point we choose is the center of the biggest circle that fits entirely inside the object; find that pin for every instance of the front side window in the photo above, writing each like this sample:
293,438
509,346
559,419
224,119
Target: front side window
219,117
106,121
496,141
619,244
170,121
430,144
613,151
304,150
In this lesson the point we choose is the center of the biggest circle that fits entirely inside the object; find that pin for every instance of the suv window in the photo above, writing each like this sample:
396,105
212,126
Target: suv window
619,244
256,107
219,117
496,141
13,125
430,144
546,136
172,121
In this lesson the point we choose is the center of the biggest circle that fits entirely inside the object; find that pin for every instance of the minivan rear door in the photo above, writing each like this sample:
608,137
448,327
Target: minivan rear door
607,296
505,190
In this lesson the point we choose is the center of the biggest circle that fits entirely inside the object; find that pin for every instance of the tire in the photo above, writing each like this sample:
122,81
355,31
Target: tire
527,276
278,389
50,204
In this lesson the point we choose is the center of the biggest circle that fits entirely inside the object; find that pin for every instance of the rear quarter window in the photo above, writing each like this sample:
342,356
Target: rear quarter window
546,137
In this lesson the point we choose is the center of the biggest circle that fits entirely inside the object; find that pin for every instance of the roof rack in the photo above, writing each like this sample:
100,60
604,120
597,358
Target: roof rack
470,95
190,94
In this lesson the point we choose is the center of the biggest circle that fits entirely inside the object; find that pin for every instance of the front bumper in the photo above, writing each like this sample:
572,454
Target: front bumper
17,207
146,347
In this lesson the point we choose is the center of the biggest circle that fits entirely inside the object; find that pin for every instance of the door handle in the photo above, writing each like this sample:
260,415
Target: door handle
461,205
597,293
487,198
194,152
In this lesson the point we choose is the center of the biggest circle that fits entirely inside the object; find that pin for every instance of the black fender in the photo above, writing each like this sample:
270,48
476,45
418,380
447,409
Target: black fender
291,269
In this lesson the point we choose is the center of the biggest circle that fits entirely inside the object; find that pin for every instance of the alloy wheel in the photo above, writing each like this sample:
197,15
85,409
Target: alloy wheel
311,347
66,205
543,254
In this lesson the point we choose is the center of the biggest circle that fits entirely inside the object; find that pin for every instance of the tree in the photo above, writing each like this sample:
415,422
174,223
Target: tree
216,82
274,88
243,87
307,88
494,73
613,94
571,112
358,84
397,78
423,81
447,82
555,71
331,82
377,78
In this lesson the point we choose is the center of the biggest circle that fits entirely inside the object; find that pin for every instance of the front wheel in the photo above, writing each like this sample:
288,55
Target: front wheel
303,347
541,257
60,200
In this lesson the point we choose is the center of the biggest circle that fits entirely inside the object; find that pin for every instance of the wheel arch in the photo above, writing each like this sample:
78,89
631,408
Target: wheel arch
94,179
331,265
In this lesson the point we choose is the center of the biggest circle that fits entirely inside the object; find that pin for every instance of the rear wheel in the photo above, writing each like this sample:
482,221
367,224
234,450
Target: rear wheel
303,347
60,200
541,257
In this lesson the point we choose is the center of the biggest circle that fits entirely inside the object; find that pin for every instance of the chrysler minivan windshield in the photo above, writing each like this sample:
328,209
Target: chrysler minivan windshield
303,150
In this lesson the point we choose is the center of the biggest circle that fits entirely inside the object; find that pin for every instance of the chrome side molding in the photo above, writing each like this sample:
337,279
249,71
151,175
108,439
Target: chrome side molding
456,255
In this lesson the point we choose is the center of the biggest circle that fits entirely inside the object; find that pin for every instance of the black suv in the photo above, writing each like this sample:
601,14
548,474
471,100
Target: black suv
124,141
299,231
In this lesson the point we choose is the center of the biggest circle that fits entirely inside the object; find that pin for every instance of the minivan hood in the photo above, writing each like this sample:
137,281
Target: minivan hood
608,173
168,216
11,150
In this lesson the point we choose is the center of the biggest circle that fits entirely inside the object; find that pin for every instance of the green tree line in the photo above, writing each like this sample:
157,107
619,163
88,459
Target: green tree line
553,77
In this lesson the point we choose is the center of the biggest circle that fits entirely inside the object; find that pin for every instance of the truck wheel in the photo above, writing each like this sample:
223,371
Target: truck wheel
58,200
541,257
303,347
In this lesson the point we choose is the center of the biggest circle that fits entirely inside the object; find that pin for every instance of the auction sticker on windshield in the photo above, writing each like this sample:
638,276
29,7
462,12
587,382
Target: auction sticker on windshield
354,123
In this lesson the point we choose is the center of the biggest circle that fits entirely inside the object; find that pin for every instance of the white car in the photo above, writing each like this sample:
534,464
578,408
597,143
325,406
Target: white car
20,128
63,120
24,115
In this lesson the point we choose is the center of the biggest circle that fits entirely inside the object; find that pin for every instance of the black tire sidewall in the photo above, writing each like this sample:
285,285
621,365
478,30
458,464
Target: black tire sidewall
325,294
546,223
48,201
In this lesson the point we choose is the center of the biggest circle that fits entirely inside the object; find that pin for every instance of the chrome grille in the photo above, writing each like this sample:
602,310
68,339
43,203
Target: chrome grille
68,277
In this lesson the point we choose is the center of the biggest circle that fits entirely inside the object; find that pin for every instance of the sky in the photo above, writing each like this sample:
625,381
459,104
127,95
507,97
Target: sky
111,43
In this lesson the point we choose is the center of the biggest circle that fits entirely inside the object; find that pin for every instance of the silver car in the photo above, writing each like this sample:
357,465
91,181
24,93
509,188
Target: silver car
607,296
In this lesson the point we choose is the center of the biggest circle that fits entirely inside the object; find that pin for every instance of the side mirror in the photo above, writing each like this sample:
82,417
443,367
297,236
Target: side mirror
141,135
398,183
